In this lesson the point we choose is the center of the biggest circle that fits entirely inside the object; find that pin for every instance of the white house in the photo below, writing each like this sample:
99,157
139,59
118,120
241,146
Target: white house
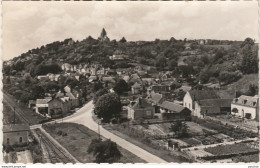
193,96
41,106
245,107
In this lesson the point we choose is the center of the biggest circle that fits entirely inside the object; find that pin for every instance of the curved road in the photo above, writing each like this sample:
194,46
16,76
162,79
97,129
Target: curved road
84,116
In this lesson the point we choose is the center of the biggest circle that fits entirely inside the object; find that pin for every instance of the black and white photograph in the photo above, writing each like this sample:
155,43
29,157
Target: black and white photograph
130,82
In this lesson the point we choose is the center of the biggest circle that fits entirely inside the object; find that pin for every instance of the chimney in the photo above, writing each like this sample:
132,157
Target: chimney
140,102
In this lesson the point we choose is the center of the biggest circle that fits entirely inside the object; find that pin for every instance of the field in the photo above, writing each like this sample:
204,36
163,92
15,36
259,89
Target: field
145,142
76,139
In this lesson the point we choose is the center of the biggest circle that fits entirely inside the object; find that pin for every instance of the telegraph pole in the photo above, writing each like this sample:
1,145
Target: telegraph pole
14,115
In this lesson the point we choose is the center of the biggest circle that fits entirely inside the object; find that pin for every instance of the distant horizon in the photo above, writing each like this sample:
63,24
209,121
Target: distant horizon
28,25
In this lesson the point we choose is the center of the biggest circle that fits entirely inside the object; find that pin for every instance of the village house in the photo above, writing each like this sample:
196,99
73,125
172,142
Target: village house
246,107
58,106
41,106
169,111
140,109
212,107
74,102
66,67
15,134
136,88
31,104
159,88
197,95
42,77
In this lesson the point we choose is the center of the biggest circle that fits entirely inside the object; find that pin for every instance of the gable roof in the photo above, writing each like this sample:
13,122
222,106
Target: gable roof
247,101
15,127
42,101
172,106
136,85
32,101
141,103
216,102
203,94
70,95
156,97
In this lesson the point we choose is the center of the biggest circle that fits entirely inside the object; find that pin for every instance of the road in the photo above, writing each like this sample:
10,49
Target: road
84,116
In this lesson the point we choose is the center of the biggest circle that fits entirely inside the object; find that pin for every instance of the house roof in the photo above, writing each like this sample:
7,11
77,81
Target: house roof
136,85
32,101
247,100
42,101
156,97
141,103
185,88
172,106
70,95
203,94
216,102
15,127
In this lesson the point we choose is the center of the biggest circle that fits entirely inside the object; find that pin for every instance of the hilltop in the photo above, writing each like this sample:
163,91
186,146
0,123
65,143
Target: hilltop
215,61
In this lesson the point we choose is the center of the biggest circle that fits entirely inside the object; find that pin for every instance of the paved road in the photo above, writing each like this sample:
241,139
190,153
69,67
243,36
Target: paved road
84,116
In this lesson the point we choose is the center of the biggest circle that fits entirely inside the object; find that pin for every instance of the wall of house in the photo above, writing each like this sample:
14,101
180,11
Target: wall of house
250,110
187,102
197,110
60,105
14,137
135,91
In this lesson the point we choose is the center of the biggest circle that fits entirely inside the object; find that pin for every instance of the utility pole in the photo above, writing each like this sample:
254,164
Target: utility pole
98,129
14,115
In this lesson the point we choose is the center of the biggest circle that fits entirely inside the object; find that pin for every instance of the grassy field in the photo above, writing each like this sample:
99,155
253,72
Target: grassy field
8,115
78,139
242,85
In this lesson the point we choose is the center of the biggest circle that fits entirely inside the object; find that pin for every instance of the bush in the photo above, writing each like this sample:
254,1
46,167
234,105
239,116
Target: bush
59,133
229,77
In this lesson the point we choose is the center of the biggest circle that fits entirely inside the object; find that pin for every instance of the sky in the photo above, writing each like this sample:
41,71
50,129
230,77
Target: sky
31,24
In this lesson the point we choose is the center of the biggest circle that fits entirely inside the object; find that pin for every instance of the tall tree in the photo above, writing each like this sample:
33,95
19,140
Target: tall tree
108,106
120,86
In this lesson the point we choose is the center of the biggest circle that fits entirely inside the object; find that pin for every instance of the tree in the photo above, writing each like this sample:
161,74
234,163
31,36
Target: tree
180,129
43,69
123,40
249,62
252,90
98,94
104,151
108,106
160,62
172,64
120,86
97,85
204,76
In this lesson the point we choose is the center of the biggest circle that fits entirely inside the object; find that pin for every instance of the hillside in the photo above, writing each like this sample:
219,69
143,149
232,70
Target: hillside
242,85
209,60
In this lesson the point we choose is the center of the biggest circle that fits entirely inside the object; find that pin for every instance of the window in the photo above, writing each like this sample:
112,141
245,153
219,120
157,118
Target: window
189,105
148,113
185,104
20,139
245,101
254,103
8,141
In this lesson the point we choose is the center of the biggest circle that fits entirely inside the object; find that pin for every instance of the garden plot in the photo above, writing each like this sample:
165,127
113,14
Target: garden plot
192,141
198,153
198,129
230,149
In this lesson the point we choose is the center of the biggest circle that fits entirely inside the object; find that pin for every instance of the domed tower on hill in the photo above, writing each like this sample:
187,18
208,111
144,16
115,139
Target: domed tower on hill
103,35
